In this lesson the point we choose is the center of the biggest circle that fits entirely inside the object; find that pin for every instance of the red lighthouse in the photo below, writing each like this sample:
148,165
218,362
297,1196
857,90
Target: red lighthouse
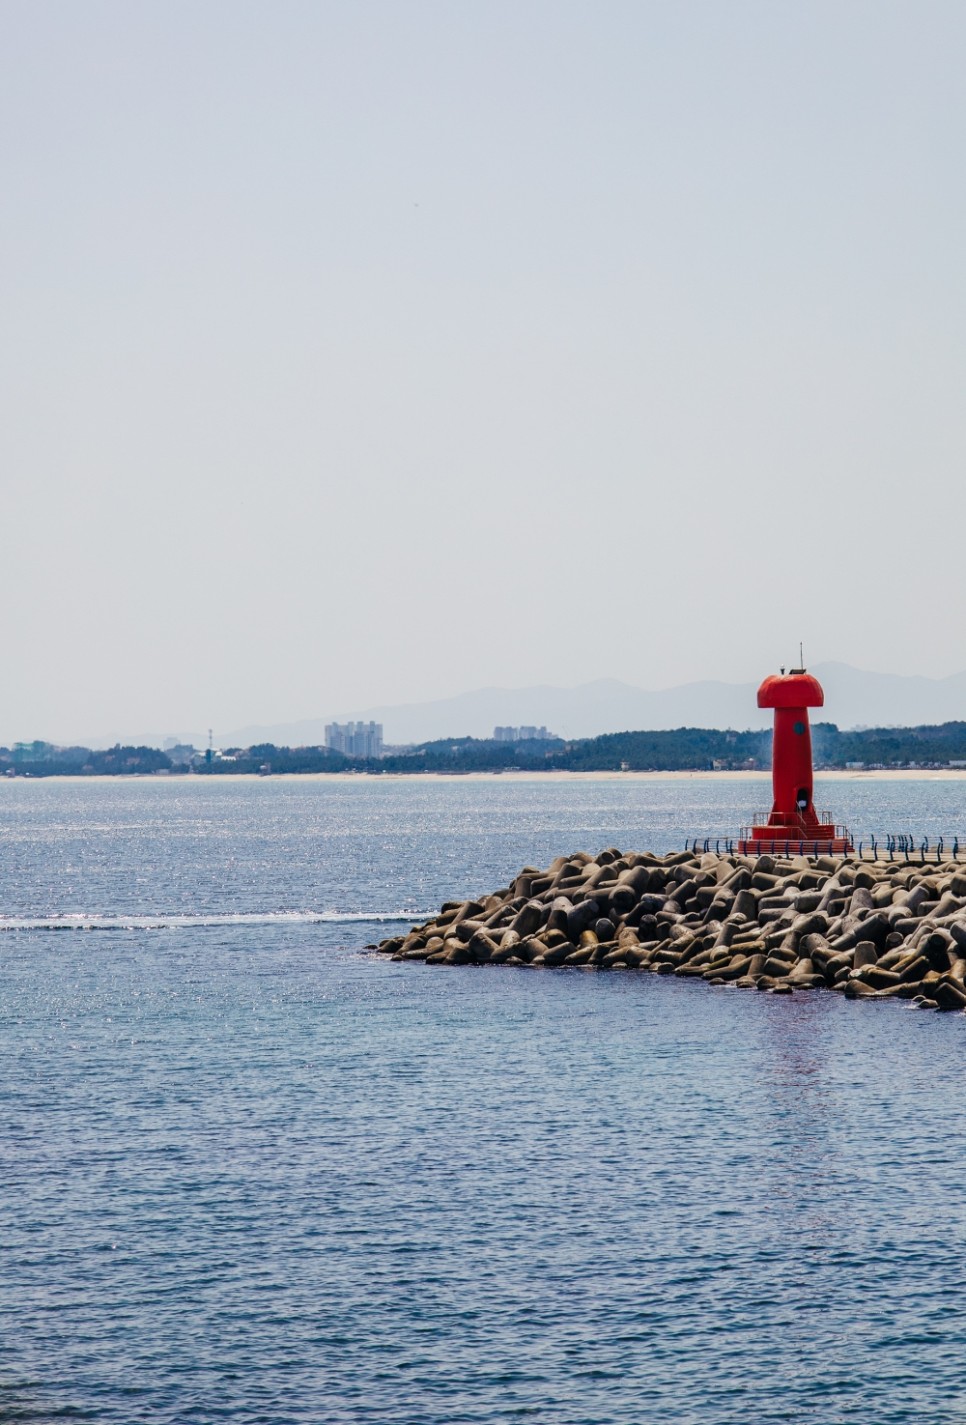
794,826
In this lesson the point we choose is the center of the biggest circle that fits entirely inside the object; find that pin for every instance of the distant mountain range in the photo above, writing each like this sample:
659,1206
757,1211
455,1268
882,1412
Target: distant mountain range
853,698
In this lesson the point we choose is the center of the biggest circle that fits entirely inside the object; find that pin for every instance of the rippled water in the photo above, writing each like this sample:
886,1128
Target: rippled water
251,1172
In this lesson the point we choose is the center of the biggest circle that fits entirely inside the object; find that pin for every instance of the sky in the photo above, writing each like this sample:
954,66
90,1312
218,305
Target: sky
357,353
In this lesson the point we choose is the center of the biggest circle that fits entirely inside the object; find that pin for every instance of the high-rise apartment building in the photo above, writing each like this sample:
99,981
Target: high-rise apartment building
355,739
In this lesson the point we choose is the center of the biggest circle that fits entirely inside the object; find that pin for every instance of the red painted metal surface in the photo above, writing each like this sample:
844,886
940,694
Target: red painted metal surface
793,820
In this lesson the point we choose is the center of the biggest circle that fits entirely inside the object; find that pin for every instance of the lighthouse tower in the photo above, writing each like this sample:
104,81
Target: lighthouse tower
794,826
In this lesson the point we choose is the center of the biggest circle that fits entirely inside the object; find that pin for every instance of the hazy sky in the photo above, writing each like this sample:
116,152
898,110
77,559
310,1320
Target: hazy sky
371,352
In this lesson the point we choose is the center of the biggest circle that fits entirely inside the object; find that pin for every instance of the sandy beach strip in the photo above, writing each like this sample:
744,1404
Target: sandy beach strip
883,774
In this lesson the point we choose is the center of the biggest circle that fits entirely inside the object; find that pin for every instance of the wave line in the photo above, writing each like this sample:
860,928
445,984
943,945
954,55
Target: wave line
85,921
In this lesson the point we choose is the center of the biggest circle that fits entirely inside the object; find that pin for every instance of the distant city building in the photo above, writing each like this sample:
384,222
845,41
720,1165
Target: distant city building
355,739
522,734
182,754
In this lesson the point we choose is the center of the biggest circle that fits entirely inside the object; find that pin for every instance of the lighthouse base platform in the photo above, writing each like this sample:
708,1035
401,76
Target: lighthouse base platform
787,838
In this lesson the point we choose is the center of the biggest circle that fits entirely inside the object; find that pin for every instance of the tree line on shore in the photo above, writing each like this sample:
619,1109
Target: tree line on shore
677,750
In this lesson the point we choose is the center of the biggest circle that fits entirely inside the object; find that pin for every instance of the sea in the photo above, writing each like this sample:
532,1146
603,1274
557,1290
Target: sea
252,1171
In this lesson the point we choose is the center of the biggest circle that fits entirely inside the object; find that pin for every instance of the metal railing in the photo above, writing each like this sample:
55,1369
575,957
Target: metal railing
898,847
762,818
831,831
905,847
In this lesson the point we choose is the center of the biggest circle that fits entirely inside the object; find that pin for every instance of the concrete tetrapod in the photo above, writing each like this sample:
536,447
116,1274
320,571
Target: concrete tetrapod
869,930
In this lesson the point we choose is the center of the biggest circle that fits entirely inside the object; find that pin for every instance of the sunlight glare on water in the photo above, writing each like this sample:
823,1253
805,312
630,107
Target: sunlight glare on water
254,1173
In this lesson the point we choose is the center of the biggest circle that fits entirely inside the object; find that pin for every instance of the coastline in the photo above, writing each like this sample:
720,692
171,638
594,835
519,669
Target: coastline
883,774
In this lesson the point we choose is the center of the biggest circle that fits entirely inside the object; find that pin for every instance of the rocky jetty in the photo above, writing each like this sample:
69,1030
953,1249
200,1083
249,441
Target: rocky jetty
877,930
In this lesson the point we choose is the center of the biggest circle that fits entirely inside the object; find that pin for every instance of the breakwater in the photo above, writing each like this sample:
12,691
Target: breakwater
868,930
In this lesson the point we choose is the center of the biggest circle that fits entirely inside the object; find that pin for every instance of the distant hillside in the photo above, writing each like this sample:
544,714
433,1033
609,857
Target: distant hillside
690,749
678,749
